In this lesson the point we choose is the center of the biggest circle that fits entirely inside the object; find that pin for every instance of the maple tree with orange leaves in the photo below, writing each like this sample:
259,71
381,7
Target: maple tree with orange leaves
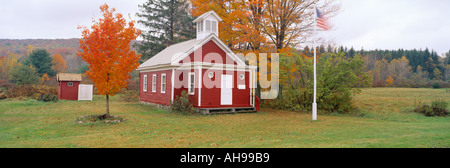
106,48
60,63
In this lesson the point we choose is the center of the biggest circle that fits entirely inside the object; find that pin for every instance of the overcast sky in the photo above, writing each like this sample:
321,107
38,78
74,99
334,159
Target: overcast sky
368,24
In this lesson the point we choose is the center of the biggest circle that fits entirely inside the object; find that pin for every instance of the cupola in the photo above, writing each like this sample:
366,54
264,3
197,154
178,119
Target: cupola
207,24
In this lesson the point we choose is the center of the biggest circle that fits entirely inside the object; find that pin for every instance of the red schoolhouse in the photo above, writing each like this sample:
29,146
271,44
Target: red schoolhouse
215,78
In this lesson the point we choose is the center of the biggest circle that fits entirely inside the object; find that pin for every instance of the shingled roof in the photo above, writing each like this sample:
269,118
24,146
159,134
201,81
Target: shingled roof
68,77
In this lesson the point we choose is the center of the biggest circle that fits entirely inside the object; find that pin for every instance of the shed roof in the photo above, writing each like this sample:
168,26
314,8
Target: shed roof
68,77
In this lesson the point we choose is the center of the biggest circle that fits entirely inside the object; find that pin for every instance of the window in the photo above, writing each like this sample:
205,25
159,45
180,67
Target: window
208,25
191,82
154,83
200,25
211,74
163,83
70,84
214,26
145,83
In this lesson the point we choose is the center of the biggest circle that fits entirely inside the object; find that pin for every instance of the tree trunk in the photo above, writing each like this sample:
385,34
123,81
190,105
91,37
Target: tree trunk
107,106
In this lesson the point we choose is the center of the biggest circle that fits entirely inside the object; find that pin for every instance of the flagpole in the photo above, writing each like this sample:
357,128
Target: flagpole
314,105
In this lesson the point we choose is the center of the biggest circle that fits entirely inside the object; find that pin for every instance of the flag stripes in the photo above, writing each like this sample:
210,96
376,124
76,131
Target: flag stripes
322,21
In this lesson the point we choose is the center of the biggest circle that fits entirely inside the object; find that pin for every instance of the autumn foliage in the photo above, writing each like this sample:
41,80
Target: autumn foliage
59,63
106,48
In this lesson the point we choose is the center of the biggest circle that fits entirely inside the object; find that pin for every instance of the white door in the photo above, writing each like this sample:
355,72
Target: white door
85,92
226,91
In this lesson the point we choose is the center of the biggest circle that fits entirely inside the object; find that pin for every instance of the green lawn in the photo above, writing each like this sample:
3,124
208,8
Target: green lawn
384,118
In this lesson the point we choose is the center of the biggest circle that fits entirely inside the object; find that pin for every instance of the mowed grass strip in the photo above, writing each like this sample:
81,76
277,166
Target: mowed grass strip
383,118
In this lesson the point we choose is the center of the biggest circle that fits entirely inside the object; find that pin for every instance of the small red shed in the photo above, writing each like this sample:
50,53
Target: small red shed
215,78
68,85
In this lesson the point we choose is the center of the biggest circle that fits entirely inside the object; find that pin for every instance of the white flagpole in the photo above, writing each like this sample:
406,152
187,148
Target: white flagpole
314,105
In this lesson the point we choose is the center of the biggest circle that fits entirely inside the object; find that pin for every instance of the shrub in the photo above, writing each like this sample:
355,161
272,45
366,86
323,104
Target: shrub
437,108
23,74
48,97
182,105
99,119
21,90
436,85
32,91
338,79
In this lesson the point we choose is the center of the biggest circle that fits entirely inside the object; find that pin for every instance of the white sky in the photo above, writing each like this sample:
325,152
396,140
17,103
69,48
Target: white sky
368,24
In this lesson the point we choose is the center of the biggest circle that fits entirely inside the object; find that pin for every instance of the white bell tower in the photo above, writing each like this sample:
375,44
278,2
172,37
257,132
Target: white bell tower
207,24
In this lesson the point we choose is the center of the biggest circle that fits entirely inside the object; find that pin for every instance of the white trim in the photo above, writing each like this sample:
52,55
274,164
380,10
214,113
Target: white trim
223,87
200,77
203,16
189,83
154,79
165,83
172,83
155,67
250,80
145,83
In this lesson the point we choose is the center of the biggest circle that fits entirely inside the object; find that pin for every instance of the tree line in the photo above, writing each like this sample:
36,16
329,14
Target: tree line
402,67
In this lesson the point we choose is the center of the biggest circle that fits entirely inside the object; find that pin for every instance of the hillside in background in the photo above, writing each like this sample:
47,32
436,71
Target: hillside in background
67,48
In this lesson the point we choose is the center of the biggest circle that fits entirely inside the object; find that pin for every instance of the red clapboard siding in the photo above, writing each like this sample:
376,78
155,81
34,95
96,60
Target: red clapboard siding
156,97
67,92
181,84
211,96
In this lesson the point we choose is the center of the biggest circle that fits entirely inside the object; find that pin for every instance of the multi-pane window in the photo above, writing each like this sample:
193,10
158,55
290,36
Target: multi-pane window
191,81
163,83
154,83
145,83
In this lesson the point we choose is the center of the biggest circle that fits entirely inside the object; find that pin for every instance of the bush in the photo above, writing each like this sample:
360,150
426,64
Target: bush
338,79
99,119
21,91
437,108
32,91
48,97
436,85
22,75
182,105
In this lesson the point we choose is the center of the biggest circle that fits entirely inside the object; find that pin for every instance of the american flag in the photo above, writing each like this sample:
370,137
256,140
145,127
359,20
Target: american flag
322,21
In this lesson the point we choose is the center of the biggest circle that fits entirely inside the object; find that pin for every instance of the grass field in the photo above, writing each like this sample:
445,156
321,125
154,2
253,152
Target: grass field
384,118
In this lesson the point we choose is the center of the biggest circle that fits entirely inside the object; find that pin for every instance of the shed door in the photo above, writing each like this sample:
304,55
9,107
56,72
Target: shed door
85,92
226,91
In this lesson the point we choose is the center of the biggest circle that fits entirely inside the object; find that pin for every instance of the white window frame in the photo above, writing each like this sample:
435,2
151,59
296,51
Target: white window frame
154,83
70,84
145,84
189,83
163,82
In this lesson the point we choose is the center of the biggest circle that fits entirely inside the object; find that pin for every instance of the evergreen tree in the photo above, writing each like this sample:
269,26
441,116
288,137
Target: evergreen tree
168,22
40,59
351,52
